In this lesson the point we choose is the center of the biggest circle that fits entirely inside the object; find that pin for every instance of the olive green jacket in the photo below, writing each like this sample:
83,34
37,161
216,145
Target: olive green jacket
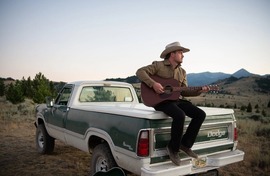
164,69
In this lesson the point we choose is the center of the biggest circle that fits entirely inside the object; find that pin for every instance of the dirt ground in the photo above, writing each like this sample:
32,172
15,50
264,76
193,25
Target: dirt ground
18,155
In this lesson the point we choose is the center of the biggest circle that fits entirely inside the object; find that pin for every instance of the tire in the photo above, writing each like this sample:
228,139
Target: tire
102,159
44,142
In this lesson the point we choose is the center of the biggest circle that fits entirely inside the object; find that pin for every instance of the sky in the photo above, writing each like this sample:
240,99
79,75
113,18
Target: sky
71,40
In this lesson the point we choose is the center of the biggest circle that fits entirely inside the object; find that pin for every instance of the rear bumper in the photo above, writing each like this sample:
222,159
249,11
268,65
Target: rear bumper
213,162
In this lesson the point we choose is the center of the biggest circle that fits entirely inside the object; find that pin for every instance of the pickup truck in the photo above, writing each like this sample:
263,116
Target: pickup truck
105,119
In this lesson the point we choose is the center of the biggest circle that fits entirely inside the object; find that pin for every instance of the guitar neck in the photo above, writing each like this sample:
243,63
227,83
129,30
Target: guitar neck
180,89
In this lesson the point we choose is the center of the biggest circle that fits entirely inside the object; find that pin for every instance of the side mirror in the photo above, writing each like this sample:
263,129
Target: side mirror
49,101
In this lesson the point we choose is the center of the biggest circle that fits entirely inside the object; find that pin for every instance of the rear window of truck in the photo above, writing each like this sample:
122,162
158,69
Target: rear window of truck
105,94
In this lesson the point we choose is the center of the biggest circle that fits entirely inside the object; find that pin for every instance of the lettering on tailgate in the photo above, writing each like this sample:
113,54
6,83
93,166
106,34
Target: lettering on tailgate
218,133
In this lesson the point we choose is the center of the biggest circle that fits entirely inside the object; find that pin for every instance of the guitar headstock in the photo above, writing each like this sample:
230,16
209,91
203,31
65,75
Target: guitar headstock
213,88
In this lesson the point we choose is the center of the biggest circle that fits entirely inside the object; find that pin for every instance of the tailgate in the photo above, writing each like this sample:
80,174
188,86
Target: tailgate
215,135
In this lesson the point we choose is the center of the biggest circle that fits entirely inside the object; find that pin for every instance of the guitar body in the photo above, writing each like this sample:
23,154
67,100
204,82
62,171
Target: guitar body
151,98
116,171
172,91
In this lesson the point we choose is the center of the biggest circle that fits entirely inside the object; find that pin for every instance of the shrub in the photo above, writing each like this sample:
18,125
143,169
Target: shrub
243,108
14,93
249,108
2,87
264,131
42,87
255,117
264,113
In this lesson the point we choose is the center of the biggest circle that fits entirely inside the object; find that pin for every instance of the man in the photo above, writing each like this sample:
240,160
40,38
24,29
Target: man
170,67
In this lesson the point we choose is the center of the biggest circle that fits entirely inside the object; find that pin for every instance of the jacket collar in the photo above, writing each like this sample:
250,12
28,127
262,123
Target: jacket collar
167,63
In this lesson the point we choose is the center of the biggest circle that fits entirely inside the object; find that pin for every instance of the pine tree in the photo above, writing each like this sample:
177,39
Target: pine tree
263,113
41,88
14,93
249,108
256,106
27,87
2,87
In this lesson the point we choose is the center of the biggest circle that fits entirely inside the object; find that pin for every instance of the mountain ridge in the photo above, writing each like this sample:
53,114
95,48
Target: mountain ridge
205,78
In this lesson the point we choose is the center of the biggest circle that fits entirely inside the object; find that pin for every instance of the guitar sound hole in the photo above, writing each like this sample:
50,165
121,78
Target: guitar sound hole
168,89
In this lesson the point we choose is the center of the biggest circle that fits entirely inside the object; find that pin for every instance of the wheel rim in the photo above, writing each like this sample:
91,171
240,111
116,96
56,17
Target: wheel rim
101,164
40,140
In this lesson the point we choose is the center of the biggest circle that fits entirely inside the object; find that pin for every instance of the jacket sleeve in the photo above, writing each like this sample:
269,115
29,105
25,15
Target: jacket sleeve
144,72
184,83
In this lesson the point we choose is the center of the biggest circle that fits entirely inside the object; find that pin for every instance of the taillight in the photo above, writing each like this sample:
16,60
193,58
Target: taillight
235,137
143,144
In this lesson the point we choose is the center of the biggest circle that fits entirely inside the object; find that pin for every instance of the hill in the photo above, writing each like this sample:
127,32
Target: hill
245,85
205,78
238,92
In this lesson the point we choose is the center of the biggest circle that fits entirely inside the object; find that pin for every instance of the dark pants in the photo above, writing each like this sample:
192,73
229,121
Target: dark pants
178,110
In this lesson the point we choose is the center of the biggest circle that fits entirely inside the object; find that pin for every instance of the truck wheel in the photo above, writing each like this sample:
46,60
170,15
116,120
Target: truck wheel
102,159
44,142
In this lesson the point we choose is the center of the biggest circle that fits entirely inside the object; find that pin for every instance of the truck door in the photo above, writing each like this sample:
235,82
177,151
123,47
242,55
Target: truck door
59,112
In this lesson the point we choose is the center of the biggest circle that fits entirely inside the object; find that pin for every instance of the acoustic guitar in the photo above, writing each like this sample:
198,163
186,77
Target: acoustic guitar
116,171
172,91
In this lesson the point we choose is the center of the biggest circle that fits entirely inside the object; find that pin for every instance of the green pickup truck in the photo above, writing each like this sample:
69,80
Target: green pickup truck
105,118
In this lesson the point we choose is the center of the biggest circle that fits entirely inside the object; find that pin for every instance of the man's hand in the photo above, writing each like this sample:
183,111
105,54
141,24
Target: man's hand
205,89
158,88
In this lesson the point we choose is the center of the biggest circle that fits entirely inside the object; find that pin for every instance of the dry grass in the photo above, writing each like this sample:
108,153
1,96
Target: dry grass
256,148
254,136
18,154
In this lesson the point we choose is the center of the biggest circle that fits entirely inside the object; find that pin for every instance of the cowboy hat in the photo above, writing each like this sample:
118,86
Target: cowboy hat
175,46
